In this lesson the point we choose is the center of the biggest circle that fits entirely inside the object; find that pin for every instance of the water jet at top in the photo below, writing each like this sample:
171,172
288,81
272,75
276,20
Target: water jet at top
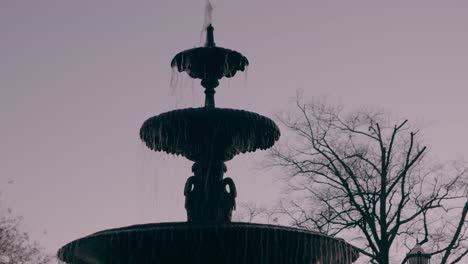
208,136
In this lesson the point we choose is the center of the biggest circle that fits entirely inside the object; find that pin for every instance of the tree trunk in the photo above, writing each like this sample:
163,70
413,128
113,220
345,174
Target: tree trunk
383,257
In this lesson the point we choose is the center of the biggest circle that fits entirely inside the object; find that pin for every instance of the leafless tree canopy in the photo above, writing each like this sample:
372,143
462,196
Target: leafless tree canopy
362,176
253,213
15,246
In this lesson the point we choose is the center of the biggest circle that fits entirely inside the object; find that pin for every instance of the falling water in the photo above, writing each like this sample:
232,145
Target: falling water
174,78
246,71
148,182
178,83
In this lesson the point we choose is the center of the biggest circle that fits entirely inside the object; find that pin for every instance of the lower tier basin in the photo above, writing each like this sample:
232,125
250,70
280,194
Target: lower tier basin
191,243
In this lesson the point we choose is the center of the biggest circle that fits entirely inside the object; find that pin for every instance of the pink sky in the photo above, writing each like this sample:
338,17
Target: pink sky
78,78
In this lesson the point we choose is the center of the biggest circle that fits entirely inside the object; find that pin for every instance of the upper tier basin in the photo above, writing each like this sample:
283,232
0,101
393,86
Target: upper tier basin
210,62
197,133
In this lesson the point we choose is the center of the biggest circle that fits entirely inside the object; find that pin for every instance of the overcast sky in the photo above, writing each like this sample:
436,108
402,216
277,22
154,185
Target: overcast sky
78,78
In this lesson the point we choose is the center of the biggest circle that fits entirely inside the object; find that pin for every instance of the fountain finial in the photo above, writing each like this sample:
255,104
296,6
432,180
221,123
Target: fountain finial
209,37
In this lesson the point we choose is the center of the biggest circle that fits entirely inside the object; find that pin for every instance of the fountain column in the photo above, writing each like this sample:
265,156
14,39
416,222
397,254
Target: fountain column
209,197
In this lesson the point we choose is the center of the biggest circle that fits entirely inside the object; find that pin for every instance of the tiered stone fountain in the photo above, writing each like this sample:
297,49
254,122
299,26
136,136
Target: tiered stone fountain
209,136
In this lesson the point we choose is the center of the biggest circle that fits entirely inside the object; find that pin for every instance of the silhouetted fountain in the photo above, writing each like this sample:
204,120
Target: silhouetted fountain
209,136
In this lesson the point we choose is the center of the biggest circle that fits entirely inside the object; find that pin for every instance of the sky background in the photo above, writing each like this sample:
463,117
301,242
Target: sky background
78,78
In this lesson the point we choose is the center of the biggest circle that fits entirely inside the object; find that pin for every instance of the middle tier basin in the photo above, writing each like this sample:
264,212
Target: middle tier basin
203,132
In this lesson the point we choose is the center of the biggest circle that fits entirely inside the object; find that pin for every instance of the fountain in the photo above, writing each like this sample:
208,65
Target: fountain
209,136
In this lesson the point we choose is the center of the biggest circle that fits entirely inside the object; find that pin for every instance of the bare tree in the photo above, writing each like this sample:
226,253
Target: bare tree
16,246
254,213
361,176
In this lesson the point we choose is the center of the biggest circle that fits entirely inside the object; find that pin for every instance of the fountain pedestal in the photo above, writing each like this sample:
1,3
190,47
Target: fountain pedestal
208,197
